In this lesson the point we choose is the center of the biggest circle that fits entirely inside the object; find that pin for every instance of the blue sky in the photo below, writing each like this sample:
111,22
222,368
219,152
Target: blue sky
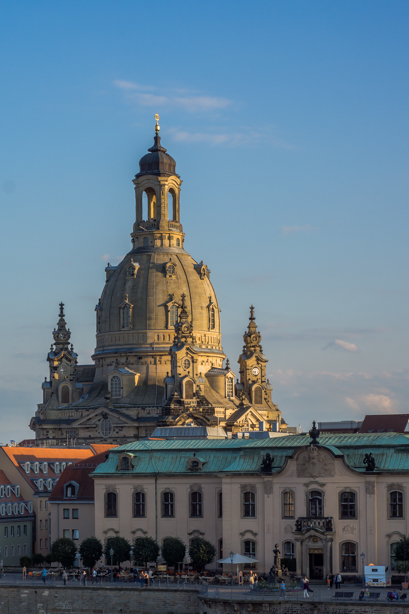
288,121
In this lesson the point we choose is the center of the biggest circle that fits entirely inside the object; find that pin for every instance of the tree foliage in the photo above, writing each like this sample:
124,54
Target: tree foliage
91,551
173,551
63,551
38,558
402,555
202,552
121,548
146,550
25,561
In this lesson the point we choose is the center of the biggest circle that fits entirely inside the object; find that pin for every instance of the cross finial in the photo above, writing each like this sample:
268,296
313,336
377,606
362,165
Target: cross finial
157,127
61,310
252,313
227,364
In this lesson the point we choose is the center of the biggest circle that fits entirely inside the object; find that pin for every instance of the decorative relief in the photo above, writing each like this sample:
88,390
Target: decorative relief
349,529
288,529
315,462
370,487
268,487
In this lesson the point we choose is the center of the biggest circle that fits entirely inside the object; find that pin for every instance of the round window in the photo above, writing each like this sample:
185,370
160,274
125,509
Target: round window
186,363
171,269
105,427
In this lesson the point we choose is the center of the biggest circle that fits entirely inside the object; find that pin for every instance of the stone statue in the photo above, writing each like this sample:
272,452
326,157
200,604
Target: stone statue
267,464
369,461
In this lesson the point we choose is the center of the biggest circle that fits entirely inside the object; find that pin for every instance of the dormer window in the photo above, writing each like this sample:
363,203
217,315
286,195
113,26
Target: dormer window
126,314
63,466
36,467
1,491
116,387
8,492
40,484
56,467
17,490
27,467
70,490
45,467
170,269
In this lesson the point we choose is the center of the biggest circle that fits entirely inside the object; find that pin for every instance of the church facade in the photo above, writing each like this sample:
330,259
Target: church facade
158,359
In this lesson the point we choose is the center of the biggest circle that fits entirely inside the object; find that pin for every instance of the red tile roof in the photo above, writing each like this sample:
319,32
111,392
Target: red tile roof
79,473
385,423
4,481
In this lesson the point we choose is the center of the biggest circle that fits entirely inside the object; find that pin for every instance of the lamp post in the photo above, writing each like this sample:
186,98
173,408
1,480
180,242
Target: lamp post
111,553
231,560
363,569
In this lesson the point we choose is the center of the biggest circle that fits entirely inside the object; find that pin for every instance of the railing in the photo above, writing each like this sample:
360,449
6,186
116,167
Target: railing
308,522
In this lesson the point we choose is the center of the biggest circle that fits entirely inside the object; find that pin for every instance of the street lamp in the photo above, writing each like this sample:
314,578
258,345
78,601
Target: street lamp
111,553
363,569
231,555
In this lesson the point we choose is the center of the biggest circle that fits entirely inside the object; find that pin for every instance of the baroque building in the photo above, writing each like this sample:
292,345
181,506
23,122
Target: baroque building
158,359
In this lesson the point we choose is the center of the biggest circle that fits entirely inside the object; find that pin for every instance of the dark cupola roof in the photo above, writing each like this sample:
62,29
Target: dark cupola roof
157,162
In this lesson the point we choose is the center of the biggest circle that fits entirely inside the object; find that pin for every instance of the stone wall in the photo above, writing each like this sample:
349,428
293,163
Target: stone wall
91,600
226,606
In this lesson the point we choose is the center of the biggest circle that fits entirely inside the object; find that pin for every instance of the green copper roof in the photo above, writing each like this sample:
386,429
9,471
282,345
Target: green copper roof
391,452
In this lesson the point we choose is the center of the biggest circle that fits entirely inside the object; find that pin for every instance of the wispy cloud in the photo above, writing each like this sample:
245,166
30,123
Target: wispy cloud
289,230
339,344
247,136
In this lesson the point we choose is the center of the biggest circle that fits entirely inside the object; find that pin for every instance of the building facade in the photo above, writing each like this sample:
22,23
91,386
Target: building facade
317,501
17,523
158,359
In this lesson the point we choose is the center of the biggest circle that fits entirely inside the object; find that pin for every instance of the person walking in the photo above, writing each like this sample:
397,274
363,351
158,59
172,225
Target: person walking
328,582
64,577
94,577
24,573
282,588
44,575
339,580
150,577
306,586
84,577
251,581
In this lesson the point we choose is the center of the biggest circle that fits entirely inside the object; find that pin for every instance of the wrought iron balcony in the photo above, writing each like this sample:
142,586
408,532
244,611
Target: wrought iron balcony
304,523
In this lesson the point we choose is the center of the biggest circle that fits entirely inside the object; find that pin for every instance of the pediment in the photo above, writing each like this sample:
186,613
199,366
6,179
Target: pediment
96,415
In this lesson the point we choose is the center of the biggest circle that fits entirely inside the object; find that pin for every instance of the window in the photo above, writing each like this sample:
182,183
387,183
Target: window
249,549
106,426
196,504
46,542
212,318
348,507
288,504
220,504
11,531
173,315
12,550
315,499
19,531
41,544
258,396
110,511
189,389
41,524
348,556
177,242
41,505
6,531
70,491
6,552
25,529
45,505
75,513
289,550
139,505
393,554
126,316
66,533
75,534
220,549
145,241
56,467
249,504
125,464
229,387
65,513
396,504
65,394
25,549
116,388
168,506
36,467
18,550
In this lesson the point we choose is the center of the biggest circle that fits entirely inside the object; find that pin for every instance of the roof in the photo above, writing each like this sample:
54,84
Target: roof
190,432
391,452
23,510
78,473
385,423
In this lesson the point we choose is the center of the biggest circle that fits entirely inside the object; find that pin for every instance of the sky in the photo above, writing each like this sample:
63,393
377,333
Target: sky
289,124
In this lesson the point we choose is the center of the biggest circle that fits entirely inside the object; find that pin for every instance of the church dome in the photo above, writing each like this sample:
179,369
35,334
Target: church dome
157,162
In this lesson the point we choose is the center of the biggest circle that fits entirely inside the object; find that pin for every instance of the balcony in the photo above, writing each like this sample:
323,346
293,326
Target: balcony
305,523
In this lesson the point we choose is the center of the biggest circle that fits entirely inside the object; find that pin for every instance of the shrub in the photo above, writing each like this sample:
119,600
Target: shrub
173,551
146,550
63,551
25,561
38,559
91,551
201,552
121,548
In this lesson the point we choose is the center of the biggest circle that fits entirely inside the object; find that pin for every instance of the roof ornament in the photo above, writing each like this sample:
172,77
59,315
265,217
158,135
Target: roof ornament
227,364
157,127
369,461
314,434
267,464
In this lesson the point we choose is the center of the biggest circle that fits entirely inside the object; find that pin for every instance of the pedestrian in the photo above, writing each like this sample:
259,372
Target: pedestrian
84,577
331,579
94,576
44,575
251,581
328,582
141,579
306,586
150,577
282,589
64,577
24,573
339,580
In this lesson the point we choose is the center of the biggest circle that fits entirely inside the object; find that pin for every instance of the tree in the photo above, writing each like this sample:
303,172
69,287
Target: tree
201,552
48,559
25,561
63,551
121,548
91,550
173,551
146,550
402,555
38,559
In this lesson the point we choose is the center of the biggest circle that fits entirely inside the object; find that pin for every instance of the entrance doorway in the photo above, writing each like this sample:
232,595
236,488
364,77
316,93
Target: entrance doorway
316,565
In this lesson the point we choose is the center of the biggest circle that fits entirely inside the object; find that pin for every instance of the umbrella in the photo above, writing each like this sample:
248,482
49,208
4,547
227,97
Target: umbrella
238,559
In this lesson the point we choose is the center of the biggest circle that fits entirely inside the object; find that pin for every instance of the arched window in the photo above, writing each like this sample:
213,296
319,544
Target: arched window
348,556
168,504
116,388
139,505
177,242
110,505
189,389
249,504
288,504
249,549
212,318
258,396
145,241
196,504
65,394
106,427
289,550
145,206
220,504
315,500
347,505
229,387
173,316
125,464
392,549
171,205
70,491
126,316
396,504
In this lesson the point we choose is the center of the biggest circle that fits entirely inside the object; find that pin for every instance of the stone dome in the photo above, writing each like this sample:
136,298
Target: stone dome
157,162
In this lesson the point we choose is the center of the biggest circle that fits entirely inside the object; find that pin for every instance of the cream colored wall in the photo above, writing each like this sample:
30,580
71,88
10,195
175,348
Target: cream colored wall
85,523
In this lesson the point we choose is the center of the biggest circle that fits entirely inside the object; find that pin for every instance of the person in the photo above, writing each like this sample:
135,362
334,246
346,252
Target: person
399,594
306,586
328,582
331,579
282,589
240,577
389,595
24,573
251,581
150,577
44,575
339,578
84,577
65,577
94,576
141,579
362,595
